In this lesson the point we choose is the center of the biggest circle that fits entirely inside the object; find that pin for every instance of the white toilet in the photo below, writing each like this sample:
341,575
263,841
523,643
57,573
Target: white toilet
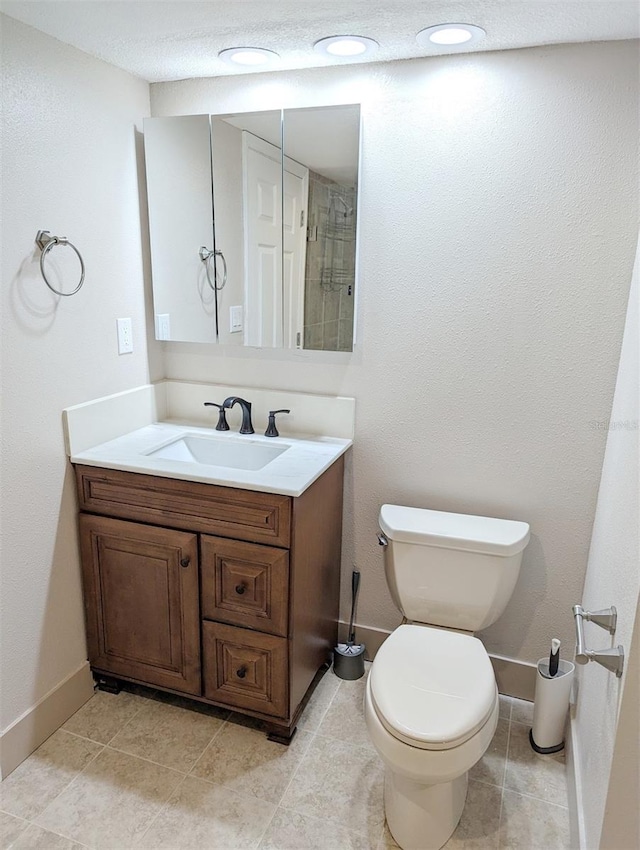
431,702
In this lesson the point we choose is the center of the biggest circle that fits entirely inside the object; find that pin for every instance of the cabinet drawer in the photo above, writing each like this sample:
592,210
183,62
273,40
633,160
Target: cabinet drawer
245,669
245,584
224,511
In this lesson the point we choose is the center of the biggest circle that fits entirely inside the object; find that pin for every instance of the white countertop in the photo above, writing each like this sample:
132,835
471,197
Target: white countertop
290,474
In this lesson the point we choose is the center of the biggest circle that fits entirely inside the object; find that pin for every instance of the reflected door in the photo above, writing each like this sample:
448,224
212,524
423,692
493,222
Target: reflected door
294,250
263,242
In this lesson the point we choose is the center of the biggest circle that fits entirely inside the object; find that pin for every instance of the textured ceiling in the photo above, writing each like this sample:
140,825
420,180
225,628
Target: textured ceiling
176,39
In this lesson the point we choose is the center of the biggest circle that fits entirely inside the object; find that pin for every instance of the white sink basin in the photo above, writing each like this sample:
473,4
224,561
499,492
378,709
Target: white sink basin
219,451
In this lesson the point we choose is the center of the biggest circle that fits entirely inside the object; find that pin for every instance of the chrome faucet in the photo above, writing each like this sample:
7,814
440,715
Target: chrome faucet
228,403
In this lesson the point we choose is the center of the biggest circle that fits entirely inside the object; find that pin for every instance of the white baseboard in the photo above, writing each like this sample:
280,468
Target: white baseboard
40,721
574,785
514,678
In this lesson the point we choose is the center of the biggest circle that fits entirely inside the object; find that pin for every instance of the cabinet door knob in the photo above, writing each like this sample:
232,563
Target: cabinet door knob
185,562
241,673
240,589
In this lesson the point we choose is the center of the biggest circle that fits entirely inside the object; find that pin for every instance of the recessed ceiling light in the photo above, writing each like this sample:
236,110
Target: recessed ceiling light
449,35
346,46
247,56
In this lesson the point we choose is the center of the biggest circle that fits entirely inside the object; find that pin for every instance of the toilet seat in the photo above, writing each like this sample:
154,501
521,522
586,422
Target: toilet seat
432,688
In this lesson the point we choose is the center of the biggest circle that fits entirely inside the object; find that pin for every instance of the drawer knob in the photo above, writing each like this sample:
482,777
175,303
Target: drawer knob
185,562
241,673
240,589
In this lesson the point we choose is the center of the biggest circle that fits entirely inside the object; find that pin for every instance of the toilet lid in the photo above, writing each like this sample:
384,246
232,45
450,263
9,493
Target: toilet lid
432,688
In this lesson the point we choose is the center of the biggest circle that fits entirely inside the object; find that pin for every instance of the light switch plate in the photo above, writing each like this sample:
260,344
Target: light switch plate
163,326
235,319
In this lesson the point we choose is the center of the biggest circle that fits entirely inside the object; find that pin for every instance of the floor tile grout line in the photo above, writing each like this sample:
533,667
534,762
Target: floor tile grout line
53,832
330,703
269,822
17,817
517,790
321,820
24,820
312,737
473,780
161,808
134,715
504,779
506,756
254,796
537,799
221,785
201,756
142,758
83,737
147,760
329,819
499,841
71,781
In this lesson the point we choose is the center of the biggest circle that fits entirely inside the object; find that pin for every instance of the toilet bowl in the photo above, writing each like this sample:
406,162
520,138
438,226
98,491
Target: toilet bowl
431,709
431,702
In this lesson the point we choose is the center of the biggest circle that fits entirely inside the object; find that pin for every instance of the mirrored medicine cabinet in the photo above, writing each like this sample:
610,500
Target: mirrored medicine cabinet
253,224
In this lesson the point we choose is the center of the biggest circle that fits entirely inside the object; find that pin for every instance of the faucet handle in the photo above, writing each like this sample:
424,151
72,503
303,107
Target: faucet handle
272,431
222,425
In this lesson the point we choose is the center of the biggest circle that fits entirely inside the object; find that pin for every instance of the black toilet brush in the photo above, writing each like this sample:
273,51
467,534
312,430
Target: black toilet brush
348,658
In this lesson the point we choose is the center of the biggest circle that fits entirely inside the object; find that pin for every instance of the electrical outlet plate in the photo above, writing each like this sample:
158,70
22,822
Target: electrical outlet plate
125,336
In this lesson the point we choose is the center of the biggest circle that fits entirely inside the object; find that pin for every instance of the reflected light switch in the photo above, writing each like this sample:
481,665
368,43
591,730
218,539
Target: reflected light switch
235,319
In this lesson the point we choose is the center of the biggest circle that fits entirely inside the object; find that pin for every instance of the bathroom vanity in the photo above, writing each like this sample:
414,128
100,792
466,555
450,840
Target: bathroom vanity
225,594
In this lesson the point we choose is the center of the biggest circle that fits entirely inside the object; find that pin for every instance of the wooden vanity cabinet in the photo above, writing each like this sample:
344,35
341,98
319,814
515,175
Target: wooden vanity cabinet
228,596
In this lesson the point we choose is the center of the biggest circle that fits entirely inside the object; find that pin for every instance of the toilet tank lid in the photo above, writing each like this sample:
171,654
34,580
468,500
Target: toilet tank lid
465,532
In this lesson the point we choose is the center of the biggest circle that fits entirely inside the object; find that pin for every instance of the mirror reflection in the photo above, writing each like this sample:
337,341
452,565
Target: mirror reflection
247,214
324,141
178,163
253,227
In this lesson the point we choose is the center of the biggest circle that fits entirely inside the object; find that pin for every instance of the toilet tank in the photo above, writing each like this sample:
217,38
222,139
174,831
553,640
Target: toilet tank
452,570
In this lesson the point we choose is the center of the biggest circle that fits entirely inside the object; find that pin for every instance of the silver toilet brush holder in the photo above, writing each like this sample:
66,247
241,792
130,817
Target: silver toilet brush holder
348,658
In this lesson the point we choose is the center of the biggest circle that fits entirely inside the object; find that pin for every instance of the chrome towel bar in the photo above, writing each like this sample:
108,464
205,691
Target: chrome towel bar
607,618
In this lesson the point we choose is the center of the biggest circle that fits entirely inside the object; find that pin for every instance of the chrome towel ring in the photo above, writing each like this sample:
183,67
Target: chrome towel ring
206,255
46,242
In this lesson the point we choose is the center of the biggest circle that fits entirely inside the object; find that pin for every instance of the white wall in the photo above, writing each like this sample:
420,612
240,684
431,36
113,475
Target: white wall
613,578
498,217
69,166
621,823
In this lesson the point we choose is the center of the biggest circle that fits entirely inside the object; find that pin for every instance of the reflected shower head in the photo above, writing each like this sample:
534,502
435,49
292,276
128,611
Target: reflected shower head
347,209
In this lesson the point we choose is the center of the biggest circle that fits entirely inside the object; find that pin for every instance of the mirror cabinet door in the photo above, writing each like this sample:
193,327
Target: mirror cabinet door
321,152
178,165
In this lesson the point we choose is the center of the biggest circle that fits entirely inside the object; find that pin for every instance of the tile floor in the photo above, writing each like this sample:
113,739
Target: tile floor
141,770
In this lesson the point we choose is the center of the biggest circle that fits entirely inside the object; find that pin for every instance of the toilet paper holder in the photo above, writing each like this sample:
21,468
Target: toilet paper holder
611,658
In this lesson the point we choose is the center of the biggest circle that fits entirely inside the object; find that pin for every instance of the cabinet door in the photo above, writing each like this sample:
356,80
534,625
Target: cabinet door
245,584
141,602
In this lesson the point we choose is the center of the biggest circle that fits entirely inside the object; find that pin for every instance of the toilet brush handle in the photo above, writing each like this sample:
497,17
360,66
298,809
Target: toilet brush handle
355,584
